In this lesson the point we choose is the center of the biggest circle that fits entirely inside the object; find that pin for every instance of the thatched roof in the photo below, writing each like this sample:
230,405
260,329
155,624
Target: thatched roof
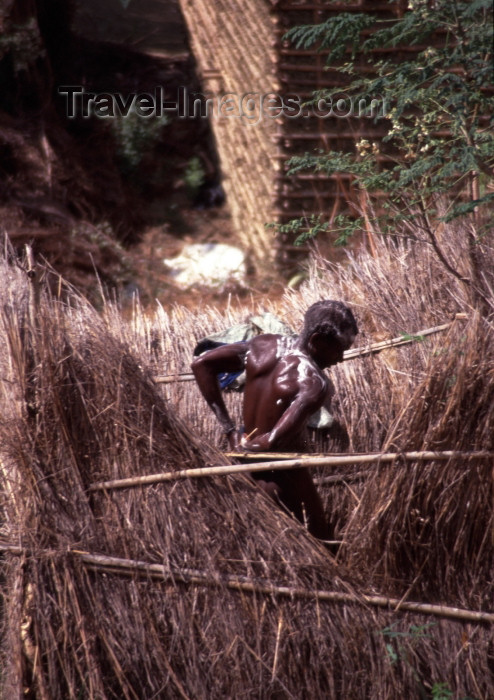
201,588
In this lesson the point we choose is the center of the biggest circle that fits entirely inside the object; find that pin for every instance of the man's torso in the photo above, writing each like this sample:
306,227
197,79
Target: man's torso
277,374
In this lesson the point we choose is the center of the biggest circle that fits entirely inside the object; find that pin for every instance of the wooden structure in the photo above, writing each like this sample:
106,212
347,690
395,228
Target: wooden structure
241,54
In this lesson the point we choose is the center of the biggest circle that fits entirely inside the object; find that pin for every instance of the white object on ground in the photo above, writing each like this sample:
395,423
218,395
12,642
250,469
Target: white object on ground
208,265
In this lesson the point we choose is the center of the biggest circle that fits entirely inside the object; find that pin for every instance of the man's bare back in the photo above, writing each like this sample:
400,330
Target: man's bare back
284,386
296,388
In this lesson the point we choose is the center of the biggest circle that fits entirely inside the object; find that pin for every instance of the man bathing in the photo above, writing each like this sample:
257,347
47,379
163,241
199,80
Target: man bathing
284,386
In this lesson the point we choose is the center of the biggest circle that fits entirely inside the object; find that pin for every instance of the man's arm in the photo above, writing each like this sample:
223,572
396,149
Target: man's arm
227,358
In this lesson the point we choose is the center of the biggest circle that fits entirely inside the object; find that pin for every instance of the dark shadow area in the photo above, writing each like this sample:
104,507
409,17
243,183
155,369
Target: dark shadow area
79,187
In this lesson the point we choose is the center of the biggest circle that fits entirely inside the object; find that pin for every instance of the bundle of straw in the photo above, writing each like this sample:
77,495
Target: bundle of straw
196,588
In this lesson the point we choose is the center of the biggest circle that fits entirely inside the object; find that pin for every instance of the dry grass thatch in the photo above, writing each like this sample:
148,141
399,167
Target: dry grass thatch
423,529
245,142
199,588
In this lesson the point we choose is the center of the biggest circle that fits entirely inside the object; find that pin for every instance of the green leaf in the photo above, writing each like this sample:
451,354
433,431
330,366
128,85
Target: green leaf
466,207
416,338
336,34
393,656
440,691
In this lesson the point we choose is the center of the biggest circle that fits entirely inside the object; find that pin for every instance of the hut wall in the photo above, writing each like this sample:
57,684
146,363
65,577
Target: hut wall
230,42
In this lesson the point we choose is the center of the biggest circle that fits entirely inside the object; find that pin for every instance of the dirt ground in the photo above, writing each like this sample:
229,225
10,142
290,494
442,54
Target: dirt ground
154,282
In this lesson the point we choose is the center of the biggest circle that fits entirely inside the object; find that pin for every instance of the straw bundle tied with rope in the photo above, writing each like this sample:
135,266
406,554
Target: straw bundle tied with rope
208,590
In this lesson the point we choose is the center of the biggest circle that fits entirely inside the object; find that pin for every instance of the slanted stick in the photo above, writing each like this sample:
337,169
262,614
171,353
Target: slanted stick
308,461
347,355
274,456
131,567
402,340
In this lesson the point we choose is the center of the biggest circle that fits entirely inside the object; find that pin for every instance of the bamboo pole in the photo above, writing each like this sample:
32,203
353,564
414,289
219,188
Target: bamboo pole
308,461
402,340
129,567
171,378
243,583
32,342
347,355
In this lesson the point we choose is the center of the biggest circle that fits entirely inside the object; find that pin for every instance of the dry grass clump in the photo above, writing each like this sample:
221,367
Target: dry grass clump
79,406
202,589
431,526
424,529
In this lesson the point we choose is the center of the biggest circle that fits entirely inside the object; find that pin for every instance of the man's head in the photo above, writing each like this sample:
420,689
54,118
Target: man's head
329,329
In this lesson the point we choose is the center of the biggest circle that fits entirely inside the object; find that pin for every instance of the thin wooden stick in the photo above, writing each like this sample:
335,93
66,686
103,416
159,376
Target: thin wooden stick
332,479
402,340
100,562
340,478
275,456
242,583
347,355
171,378
34,275
308,461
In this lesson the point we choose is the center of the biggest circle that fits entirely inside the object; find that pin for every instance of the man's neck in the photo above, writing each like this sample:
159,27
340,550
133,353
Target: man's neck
302,349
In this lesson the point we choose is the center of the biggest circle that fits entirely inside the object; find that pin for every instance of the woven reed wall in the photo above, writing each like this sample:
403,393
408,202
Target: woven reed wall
239,48
230,41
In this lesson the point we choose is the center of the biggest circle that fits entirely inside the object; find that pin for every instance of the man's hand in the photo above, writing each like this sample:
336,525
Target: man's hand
256,443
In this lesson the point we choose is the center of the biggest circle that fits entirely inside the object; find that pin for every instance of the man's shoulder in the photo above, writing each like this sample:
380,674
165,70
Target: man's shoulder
311,378
272,346
265,344
282,344
264,352
267,350
265,340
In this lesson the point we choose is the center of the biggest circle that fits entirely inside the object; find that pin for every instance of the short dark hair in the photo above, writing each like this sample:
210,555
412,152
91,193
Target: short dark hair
331,318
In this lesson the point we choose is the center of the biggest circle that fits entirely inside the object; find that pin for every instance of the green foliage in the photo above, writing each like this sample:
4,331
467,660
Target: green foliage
397,653
467,207
414,338
439,134
136,136
334,34
194,176
302,229
415,632
440,691
309,227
